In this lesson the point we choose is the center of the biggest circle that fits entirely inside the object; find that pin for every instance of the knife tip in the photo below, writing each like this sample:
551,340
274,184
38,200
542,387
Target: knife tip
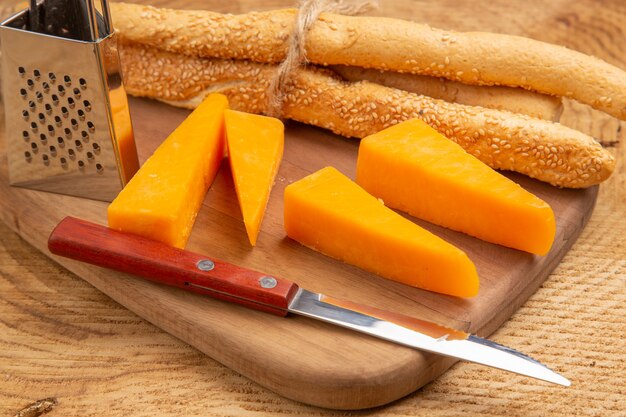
561,380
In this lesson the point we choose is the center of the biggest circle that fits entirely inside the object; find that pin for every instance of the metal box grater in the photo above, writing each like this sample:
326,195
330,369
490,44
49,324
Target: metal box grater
68,126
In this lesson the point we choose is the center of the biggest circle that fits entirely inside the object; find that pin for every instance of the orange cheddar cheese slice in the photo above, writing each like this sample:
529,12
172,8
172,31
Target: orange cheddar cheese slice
413,168
329,213
163,198
255,149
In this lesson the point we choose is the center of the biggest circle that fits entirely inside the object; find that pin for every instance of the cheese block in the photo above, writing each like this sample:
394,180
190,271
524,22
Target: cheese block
255,149
329,213
163,198
415,169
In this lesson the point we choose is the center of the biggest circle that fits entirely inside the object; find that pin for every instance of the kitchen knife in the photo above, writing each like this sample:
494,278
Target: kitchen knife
88,242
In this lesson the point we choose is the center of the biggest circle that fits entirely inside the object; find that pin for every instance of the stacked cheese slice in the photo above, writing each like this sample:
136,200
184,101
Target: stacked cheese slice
162,200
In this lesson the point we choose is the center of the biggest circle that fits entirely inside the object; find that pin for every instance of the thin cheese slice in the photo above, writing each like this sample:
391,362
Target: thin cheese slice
329,213
163,198
415,169
255,149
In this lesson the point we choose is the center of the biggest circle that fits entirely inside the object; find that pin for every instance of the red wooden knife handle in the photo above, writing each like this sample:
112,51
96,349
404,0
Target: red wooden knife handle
88,242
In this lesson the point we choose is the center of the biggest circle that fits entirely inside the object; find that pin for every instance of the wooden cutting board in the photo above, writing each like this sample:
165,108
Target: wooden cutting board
300,358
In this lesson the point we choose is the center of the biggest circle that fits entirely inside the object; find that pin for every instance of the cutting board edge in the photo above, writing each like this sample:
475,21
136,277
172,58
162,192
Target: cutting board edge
507,309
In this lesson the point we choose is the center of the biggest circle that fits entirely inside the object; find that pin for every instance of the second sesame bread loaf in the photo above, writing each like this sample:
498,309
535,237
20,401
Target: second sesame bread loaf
540,149
516,100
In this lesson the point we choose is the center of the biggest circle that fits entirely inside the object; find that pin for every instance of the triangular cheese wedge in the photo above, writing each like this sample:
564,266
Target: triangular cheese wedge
255,149
162,200
415,169
329,213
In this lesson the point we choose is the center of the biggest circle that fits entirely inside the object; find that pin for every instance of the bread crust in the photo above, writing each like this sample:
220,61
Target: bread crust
477,58
540,149
515,100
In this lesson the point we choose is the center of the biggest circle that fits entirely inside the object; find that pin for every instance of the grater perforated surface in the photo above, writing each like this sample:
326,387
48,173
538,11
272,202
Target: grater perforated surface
67,120
58,129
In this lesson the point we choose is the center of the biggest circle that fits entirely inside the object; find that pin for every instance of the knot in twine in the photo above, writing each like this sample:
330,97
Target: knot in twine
308,13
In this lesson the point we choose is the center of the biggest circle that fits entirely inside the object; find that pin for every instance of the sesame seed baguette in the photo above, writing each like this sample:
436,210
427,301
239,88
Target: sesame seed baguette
544,150
515,100
477,58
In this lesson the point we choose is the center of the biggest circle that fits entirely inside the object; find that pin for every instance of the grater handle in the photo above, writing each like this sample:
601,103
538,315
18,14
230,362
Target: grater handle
93,19
106,14
34,16
68,19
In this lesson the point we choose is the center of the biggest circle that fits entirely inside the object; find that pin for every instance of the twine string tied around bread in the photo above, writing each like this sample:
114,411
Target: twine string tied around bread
308,13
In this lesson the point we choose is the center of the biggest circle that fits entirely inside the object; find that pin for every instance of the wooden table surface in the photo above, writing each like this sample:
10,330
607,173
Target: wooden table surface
62,339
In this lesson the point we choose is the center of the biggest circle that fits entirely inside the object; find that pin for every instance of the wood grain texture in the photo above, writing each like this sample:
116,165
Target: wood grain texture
61,338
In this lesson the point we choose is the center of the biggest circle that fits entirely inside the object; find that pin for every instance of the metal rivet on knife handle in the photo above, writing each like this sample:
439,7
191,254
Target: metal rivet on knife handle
205,265
268,282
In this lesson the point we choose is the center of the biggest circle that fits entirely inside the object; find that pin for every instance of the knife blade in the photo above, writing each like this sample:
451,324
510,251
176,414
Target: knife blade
98,245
